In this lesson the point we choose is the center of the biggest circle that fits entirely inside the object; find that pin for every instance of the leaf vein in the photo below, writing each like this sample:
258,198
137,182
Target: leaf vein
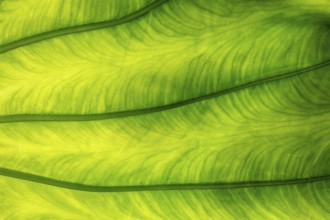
132,188
135,112
78,29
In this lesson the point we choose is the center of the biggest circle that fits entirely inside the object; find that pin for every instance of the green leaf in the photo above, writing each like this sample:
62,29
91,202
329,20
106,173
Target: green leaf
164,109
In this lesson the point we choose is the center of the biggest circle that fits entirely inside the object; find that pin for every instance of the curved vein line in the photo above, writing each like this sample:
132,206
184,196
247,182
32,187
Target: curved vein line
184,186
135,112
78,29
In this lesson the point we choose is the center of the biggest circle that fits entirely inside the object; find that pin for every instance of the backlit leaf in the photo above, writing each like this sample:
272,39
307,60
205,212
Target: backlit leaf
164,109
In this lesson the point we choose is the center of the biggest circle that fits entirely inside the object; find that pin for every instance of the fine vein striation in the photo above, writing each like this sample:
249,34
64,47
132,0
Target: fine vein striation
78,29
128,113
187,186
237,94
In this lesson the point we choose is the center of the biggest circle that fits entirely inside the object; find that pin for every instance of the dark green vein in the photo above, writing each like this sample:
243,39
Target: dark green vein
78,29
128,113
184,186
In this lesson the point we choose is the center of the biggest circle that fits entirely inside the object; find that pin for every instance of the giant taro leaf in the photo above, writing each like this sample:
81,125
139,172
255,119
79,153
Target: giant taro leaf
178,109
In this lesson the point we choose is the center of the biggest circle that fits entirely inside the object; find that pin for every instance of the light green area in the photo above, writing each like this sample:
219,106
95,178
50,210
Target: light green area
278,129
254,134
35,201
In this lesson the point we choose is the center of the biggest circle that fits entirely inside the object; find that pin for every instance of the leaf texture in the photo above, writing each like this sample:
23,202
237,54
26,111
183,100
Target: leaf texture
178,109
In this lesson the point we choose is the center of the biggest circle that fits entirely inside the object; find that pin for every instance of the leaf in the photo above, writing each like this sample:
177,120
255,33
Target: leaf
164,109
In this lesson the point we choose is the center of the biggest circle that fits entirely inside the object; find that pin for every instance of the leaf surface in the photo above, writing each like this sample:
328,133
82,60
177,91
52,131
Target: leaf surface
165,109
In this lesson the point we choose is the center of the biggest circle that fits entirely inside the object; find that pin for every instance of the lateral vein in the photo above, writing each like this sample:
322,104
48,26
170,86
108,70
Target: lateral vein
184,186
135,112
78,29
